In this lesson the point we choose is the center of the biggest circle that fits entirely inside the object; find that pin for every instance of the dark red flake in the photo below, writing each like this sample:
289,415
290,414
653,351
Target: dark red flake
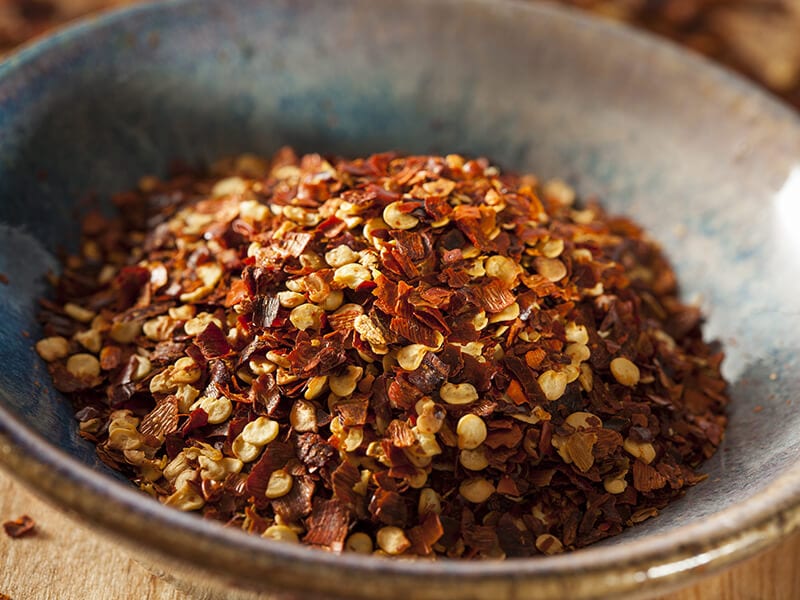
167,352
353,410
494,296
514,538
128,285
297,503
266,310
212,342
388,508
402,394
343,480
430,375
266,395
294,244
197,418
274,457
526,378
646,478
313,451
438,208
24,526
476,222
162,420
426,534
400,434
414,331
327,525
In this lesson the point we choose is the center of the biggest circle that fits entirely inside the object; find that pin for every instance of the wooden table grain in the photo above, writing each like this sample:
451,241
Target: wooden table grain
64,561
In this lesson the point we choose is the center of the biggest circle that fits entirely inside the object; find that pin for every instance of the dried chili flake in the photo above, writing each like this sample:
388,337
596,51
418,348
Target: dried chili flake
314,451
167,352
197,418
274,457
493,296
403,393
327,525
514,537
388,508
454,361
430,375
401,434
426,534
297,503
343,482
414,331
212,342
646,478
162,420
21,527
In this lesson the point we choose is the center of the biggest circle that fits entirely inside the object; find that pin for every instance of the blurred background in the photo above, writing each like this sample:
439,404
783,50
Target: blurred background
759,38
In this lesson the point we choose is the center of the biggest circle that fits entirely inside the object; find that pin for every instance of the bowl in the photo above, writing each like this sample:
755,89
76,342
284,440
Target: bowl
705,161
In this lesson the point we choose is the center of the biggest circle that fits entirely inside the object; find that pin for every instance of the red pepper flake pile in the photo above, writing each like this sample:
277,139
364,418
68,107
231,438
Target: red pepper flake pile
412,355
20,527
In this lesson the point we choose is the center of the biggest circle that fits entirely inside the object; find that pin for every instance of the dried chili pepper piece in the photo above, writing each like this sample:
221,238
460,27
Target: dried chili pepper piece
327,525
21,527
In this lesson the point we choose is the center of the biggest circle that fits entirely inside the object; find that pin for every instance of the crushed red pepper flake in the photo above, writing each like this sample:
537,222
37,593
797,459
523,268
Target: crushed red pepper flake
327,525
21,527
453,361
162,420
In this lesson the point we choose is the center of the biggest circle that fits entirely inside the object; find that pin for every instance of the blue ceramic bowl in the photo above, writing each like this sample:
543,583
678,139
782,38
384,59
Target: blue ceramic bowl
705,161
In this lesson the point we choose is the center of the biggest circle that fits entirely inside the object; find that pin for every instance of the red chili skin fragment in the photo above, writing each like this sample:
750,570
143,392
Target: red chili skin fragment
197,418
21,527
327,525
212,342
389,508
162,420
273,458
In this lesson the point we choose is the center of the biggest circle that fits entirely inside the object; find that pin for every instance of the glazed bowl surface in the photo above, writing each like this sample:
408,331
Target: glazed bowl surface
705,161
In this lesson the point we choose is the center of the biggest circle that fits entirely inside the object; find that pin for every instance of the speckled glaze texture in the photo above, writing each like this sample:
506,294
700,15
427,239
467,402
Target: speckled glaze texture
704,161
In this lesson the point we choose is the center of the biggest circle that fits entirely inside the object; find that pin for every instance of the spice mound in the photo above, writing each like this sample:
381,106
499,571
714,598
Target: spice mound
401,355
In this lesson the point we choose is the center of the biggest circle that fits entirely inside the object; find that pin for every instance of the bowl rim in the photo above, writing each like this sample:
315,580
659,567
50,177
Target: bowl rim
654,562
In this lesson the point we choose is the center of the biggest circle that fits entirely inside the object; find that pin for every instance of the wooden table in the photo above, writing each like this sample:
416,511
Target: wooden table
63,561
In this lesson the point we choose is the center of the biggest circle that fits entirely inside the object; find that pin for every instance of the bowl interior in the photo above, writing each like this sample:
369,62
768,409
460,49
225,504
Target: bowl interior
700,159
